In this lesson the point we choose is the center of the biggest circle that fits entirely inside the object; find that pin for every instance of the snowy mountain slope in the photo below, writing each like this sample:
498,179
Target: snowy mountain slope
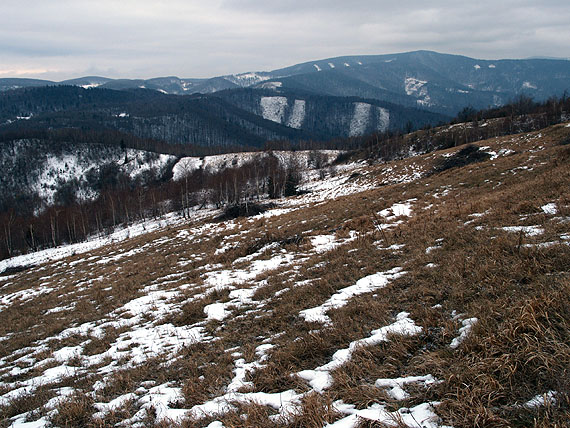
231,118
324,115
217,163
72,167
448,82
388,293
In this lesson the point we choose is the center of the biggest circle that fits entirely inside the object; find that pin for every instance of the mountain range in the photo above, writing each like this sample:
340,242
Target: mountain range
319,100
441,83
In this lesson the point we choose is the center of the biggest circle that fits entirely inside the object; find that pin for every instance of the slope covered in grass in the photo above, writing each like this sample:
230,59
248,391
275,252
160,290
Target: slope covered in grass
399,294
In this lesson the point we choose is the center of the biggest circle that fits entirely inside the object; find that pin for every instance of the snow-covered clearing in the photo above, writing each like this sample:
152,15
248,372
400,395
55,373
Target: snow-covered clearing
414,86
360,119
297,116
383,119
273,108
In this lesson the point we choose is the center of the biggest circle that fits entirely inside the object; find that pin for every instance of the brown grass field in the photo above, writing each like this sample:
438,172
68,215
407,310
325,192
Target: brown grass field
148,330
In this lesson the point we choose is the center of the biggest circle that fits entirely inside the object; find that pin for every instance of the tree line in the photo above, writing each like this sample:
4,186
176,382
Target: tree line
120,203
469,126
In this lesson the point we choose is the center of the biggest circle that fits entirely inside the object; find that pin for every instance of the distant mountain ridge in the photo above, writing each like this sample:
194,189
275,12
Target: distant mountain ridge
438,82
245,117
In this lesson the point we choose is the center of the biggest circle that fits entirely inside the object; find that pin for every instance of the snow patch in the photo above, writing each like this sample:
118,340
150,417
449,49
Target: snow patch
360,119
541,399
396,385
271,85
397,210
273,108
246,79
413,86
463,332
527,230
342,297
420,416
297,115
528,85
383,119
321,379
549,208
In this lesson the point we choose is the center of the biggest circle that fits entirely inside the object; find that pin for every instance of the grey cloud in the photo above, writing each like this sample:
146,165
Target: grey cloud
200,39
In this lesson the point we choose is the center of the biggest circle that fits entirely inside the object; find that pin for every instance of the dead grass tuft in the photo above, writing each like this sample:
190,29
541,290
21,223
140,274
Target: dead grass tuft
75,411
316,411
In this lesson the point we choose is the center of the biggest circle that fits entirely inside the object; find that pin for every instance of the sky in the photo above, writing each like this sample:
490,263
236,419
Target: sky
61,39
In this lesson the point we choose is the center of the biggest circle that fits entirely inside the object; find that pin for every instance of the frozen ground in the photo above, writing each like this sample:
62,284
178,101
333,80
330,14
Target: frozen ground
224,269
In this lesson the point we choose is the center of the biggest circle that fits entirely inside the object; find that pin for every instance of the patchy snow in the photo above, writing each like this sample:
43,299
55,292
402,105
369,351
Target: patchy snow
273,108
21,423
528,85
417,88
341,298
549,209
420,416
500,153
413,86
297,115
397,210
463,332
285,402
324,243
216,163
186,166
360,119
57,253
216,311
271,85
224,279
56,169
246,79
321,379
541,400
113,405
396,385
527,230
383,119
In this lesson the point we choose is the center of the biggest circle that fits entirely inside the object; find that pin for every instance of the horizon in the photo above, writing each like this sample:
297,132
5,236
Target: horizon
74,77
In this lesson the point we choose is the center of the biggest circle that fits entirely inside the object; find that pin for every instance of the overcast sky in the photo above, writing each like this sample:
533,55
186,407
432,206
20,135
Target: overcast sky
59,39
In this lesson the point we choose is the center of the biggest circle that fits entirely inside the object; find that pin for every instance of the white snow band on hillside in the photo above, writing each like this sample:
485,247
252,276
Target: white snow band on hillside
360,119
297,115
273,108
383,119
342,297
321,379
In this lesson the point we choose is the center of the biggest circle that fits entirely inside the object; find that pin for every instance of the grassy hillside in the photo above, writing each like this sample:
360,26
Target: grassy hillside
430,291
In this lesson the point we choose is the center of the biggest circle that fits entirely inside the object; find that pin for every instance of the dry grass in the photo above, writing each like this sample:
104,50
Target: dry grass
518,290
